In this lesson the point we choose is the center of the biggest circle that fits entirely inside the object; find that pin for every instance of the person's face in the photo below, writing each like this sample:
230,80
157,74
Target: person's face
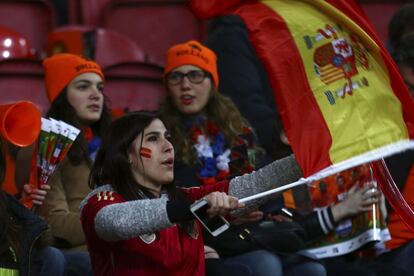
85,95
190,98
408,76
152,162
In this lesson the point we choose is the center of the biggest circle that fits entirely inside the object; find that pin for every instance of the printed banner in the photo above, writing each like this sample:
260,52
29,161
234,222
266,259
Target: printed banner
353,233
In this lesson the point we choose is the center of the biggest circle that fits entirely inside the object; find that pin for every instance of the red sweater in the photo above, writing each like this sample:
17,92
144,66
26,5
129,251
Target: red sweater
173,252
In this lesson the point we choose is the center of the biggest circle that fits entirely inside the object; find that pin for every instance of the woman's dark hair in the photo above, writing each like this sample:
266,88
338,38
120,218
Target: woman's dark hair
401,23
111,165
9,230
61,109
403,53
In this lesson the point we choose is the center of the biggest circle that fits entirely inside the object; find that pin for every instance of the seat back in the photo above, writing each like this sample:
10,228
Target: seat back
154,25
86,12
113,48
134,86
33,19
14,46
23,80
106,47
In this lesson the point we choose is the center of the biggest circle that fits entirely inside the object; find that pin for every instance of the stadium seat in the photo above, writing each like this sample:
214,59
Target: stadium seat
153,24
86,12
21,74
22,79
132,82
13,45
69,39
134,86
106,47
32,18
113,48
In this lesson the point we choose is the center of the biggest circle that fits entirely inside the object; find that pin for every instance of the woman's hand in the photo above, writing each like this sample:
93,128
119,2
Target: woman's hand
36,195
358,200
221,204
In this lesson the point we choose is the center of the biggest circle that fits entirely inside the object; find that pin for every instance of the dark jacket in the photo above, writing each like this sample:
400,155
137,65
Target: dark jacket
243,78
30,249
399,166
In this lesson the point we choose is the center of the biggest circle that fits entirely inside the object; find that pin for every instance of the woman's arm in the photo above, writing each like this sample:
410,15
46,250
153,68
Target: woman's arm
114,219
277,173
126,220
324,220
358,200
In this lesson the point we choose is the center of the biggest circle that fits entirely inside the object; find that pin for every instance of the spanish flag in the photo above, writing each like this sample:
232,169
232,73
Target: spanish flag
340,96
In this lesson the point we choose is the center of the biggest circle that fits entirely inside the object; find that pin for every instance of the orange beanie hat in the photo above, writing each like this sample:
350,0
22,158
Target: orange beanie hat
61,69
192,53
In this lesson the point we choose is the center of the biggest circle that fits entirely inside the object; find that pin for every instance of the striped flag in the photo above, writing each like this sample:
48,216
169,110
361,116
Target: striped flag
341,98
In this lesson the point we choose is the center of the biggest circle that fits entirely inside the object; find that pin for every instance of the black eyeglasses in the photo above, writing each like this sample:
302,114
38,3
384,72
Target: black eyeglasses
194,76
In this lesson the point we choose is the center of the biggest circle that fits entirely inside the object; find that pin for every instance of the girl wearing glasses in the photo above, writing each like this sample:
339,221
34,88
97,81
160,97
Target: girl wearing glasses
213,141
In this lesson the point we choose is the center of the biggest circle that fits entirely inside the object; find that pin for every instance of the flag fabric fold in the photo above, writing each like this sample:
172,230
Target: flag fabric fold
341,99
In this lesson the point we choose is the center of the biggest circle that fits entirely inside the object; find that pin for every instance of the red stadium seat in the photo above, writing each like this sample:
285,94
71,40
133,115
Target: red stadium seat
131,82
106,47
86,12
21,74
134,86
33,19
113,48
14,46
69,39
153,24
22,79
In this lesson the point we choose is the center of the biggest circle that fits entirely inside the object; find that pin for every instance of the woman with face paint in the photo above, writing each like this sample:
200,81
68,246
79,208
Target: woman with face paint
136,221
74,87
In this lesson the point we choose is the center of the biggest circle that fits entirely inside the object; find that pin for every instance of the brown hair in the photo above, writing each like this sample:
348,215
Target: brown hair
220,110
112,165
61,109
